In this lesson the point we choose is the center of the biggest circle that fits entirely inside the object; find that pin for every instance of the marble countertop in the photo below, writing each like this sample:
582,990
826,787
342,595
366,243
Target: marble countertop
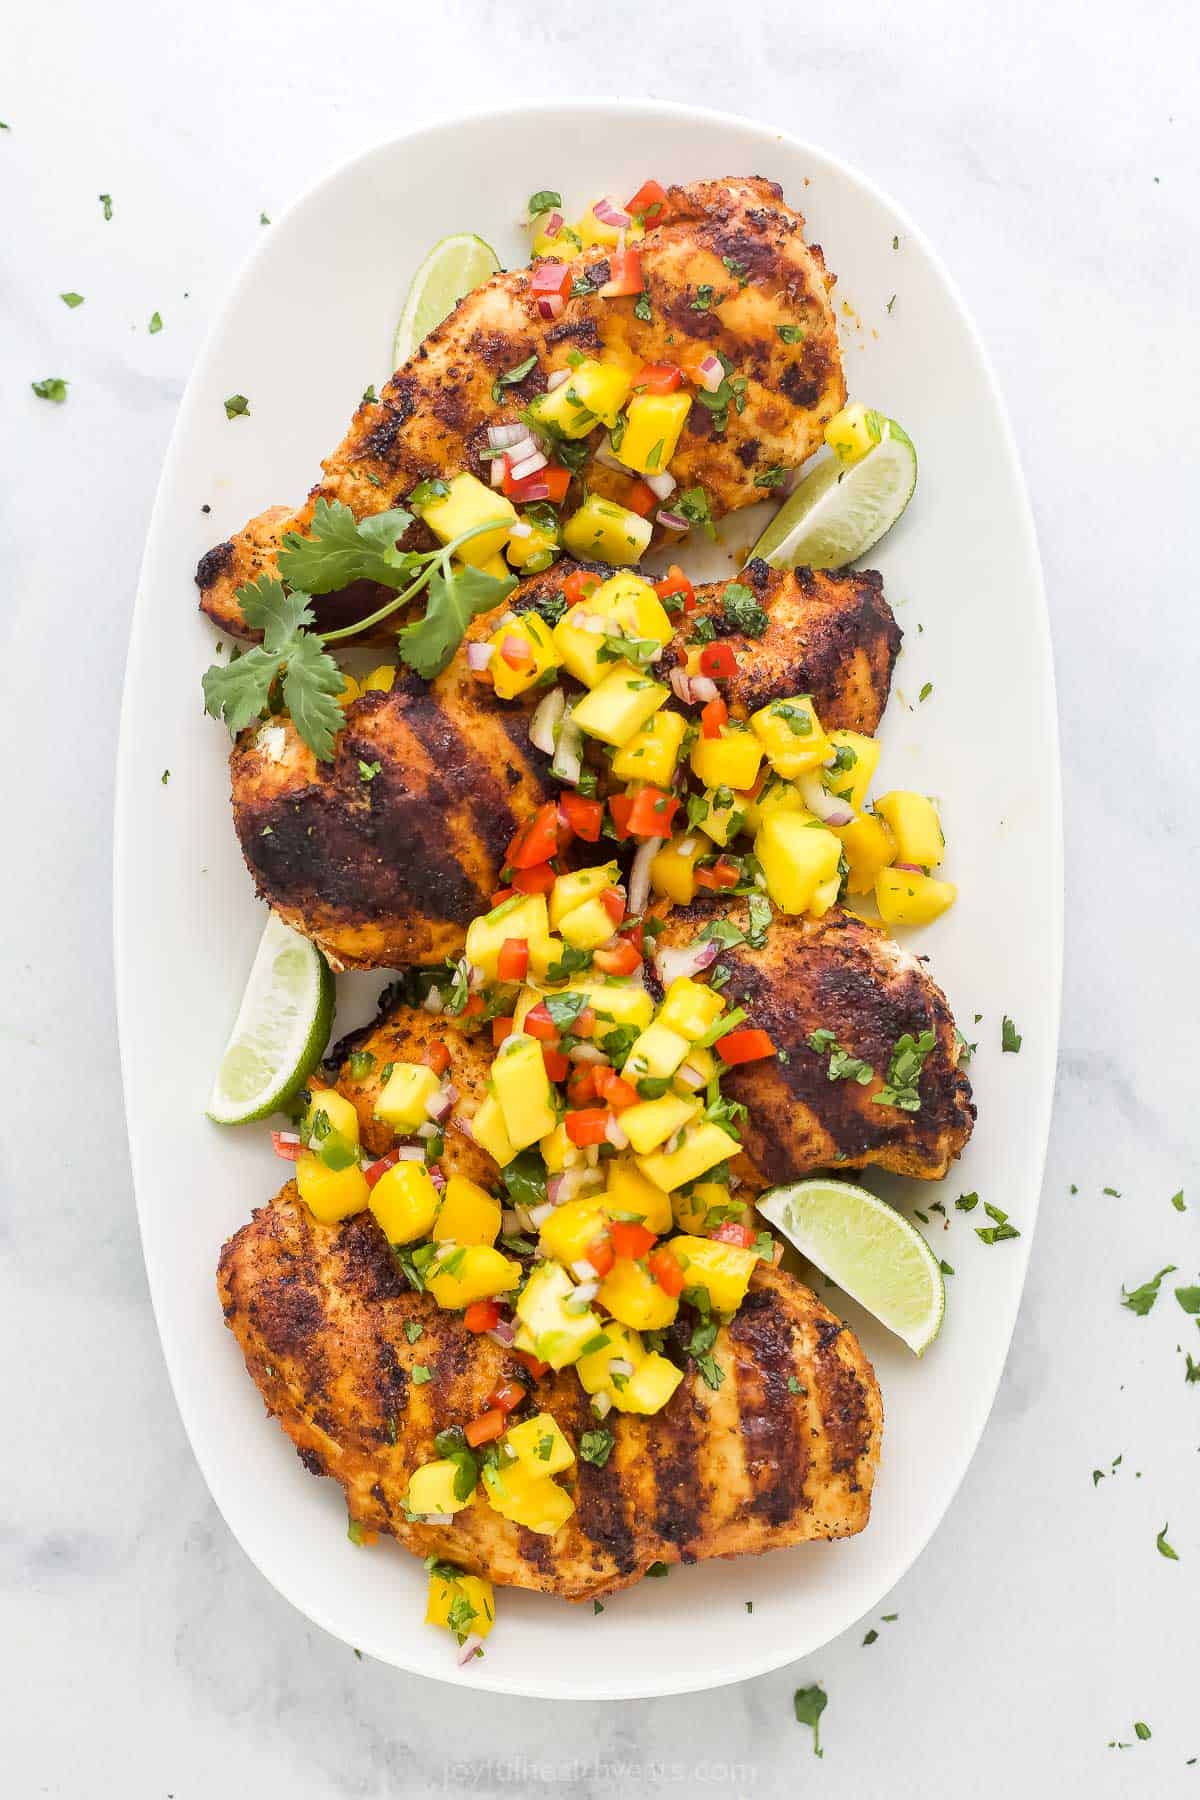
1051,154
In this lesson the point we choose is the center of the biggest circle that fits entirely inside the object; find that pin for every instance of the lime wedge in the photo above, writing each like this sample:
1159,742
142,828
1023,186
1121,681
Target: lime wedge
281,1030
839,511
869,1249
453,268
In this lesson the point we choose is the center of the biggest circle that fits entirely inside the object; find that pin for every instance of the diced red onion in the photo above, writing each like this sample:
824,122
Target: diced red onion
409,1153
550,305
583,1296
686,846
690,1077
503,437
710,374
529,465
819,800
472,1646
639,874
539,1214
437,1518
592,622
586,1053
524,1220
547,715
522,529
602,1405
671,964
556,380
607,456
552,224
609,213
671,521
462,1126
509,1222
681,683
673,1142
553,1185
437,1178
503,1333
479,656
476,978
909,868
704,688
427,1130
592,1155
567,763
433,1000
618,1138
660,485
582,1270
790,483
620,1365
438,1105
496,473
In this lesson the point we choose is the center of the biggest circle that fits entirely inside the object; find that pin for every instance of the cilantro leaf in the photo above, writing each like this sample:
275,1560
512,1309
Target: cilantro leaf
543,201
904,1072
595,1447
106,202
340,549
692,503
52,388
155,324
742,611
1189,1299
238,692
236,406
1139,1300
1164,1549
1010,1037
808,1704
1177,1201
311,686
268,608
428,644
72,300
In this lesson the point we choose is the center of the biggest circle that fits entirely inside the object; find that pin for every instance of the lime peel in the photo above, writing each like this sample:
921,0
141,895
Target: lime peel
840,510
455,267
869,1249
281,1029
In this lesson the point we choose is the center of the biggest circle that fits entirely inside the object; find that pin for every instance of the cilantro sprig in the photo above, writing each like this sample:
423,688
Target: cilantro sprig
339,550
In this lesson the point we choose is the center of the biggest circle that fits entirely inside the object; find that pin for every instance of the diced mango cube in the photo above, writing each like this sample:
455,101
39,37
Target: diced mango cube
558,1152
631,606
341,1116
532,545
629,1194
857,760
652,434
571,890
796,858
534,1501
490,1132
593,393
431,1488
522,652
606,532
707,1204
468,1214
650,1386
731,760
791,734
775,795
704,1146
690,1007
523,1090
725,817
520,916
471,1272
588,926
869,846
404,1202
633,1296
591,231
464,1604
330,1194
466,504
673,870
614,1002
381,680
405,1096
651,1122
915,826
657,1053
652,753
539,1445
571,1229
906,898
853,431
558,1325
620,704
724,1270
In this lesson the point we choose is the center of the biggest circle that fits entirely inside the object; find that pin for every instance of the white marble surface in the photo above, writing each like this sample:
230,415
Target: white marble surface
1051,153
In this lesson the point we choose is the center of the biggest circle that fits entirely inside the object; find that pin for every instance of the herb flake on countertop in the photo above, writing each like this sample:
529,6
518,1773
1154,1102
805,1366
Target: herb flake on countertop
1139,1300
237,406
71,299
808,1704
1010,1037
155,325
1163,1547
106,202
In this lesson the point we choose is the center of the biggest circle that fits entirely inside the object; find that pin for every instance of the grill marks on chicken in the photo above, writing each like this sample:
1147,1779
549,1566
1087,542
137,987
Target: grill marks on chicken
390,871
432,417
319,1312
837,974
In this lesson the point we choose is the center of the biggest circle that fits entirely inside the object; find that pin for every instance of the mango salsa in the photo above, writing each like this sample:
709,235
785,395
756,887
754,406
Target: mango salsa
652,434
523,652
405,1202
619,705
857,760
633,1296
535,1501
405,1096
797,858
868,846
906,898
605,532
539,1445
467,503
724,1270
915,826
431,1488
790,733
464,1604
470,1272
730,760
523,1090
468,1214
652,753
330,1194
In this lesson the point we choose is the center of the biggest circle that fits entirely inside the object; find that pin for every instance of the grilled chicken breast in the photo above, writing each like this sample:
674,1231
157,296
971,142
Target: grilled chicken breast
832,974
725,269
390,871
319,1312
838,974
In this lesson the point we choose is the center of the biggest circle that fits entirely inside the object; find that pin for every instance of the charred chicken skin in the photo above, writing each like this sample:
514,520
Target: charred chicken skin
772,322
389,871
783,1451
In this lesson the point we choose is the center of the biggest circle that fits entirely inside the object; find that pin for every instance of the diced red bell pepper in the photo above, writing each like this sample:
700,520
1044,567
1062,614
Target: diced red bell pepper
613,902
512,960
474,1005
502,894
625,274
507,1396
713,717
666,1270
537,840
614,1090
558,1066
601,1255
621,959
501,1028
721,874
631,1239
436,1057
732,1233
377,1170
744,1046
488,1426
582,816
529,1361
718,661
651,813
658,378
550,278
585,1024
539,1024
641,499
676,582
649,204
588,1126
481,1315
582,1085
580,585
550,483
538,880
289,1152
620,806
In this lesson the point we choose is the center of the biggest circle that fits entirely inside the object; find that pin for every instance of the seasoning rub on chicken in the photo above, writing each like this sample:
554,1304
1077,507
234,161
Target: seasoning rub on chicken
727,273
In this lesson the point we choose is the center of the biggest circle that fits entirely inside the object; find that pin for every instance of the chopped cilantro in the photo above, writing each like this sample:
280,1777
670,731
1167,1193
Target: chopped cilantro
595,1446
421,1374
106,202
1177,1201
155,325
1010,1037
1139,1300
53,387
361,1064
510,377
641,307
1189,1299
413,1329
904,1071
657,1570
808,1704
1162,1546
237,406
871,1636
72,300
771,478
543,201
742,611
790,334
